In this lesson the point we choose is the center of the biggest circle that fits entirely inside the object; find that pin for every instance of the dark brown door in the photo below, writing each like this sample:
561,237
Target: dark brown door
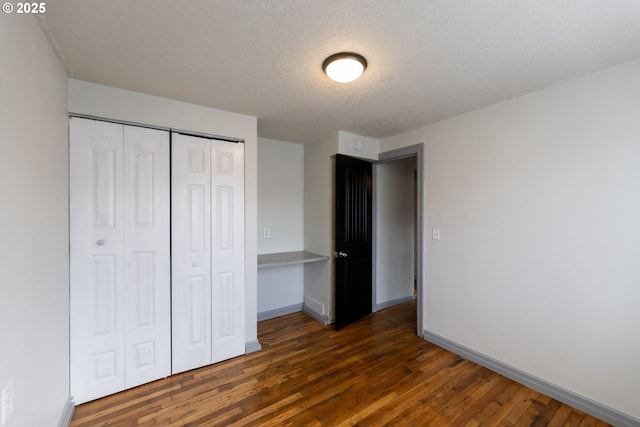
352,239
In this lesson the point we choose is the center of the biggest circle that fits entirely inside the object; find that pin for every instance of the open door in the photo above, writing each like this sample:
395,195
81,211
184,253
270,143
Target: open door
353,239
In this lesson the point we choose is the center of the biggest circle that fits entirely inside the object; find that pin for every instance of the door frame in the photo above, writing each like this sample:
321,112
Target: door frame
417,151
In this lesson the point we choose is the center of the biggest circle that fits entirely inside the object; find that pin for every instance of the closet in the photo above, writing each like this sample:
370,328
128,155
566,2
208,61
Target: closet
156,254
119,256
207,180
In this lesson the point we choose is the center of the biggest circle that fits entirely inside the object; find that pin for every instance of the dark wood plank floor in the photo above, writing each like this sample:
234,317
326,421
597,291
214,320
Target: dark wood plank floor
373,373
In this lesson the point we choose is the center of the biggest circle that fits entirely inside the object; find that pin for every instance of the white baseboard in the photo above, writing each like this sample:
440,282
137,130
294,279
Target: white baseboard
387,304
563,395
67,413
277,312
315,306
317,316
252,346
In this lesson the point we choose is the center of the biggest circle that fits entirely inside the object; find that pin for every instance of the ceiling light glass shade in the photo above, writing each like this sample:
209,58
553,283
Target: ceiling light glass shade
344,67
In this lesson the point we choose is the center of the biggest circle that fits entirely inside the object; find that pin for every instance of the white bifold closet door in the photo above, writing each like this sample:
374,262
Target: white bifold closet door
119,256
207,249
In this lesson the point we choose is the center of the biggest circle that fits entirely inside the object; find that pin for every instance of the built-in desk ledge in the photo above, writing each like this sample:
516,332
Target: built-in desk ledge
289,258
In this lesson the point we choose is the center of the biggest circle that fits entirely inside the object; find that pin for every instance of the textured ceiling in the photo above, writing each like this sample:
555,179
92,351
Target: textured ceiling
428,60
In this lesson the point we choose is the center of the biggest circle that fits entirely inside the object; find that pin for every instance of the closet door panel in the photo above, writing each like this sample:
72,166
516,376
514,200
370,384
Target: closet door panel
191,252
96,261
227,209
147,255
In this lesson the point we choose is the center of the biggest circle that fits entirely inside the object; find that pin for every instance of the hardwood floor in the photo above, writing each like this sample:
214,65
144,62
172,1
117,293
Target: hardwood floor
372,373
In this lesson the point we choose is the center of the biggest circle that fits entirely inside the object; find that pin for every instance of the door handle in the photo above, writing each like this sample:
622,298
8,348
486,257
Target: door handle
341,254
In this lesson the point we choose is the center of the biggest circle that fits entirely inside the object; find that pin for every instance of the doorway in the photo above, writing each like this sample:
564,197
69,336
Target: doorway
398,229
353,239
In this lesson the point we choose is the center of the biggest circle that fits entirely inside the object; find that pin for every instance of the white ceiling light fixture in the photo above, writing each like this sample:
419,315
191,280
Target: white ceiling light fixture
344,67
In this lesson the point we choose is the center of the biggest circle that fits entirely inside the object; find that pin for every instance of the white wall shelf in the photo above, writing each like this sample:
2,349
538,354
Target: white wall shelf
289,258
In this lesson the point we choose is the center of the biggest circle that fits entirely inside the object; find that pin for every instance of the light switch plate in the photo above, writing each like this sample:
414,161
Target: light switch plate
435,235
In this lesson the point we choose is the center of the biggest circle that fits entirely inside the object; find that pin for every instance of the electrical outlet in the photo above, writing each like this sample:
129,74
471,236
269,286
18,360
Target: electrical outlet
7,403
266,233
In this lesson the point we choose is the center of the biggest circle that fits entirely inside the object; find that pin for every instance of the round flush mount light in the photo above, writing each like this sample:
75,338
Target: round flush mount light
344,67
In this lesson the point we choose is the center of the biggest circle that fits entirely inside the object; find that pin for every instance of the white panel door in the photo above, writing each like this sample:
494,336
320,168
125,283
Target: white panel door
227,250
207,251
120,264
147,258
190,252
96,259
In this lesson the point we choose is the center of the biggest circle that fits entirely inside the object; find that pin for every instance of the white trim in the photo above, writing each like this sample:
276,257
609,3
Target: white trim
391,303
67,413
314,315
252,346
277,312
568,397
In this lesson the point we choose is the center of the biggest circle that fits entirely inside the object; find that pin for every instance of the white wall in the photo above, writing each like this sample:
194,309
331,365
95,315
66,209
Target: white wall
107,102
369,147
280,196
34,247
395,229
318,224
281,209
280,287
538,200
